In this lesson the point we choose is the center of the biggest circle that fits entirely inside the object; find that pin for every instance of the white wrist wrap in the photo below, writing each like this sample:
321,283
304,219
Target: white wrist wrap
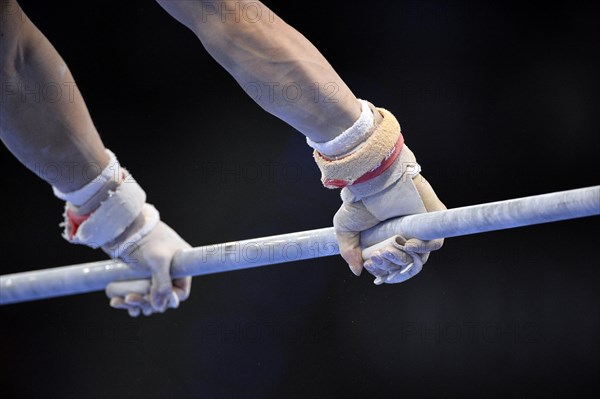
350,138
151,218
81,196
111,218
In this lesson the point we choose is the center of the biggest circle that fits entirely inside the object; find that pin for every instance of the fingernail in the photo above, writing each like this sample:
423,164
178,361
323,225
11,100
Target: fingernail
130,299
407,268
392,276
173,301
356,270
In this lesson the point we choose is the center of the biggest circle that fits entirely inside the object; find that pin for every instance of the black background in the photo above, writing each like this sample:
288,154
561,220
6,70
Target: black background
497,101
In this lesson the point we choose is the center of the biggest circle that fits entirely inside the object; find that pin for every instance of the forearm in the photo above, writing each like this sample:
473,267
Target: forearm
276,65
44,121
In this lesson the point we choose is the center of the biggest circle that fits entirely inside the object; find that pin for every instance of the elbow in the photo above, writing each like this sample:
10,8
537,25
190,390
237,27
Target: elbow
13,38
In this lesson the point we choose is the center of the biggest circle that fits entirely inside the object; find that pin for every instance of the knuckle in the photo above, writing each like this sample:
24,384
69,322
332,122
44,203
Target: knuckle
110,291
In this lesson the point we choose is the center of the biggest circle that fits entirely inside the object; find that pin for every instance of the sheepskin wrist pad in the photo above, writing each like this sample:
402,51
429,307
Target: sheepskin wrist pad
370,158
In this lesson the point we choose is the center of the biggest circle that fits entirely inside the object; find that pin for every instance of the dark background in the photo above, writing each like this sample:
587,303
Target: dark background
497,101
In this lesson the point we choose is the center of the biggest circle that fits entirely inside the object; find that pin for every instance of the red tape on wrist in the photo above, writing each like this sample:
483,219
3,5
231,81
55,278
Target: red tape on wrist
382,167
75,221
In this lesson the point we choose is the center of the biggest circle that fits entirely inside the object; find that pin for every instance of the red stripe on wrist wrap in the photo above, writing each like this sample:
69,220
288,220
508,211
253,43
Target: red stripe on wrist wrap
382,167
75,221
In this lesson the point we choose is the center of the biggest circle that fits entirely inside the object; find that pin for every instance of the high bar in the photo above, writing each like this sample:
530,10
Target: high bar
238,255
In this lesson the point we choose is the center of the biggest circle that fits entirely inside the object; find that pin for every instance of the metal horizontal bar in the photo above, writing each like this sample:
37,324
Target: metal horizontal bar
237,255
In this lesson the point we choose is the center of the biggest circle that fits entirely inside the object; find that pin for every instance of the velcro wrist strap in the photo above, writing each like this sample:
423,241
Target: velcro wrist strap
83,195
373,156
110,219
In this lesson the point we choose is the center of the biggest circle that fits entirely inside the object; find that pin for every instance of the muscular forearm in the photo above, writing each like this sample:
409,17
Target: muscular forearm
276,65
44,121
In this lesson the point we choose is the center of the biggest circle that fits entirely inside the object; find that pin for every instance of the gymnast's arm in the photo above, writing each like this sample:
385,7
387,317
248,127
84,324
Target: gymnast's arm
37,131
60,132
350,137
268,52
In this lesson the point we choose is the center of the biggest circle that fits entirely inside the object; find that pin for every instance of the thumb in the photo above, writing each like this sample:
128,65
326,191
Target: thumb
348,222
160,291
349,243
422,247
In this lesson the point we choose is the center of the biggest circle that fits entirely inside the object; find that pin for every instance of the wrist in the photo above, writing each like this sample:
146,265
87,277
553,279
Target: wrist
91,194
347,142
104,209
374,151
404,167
